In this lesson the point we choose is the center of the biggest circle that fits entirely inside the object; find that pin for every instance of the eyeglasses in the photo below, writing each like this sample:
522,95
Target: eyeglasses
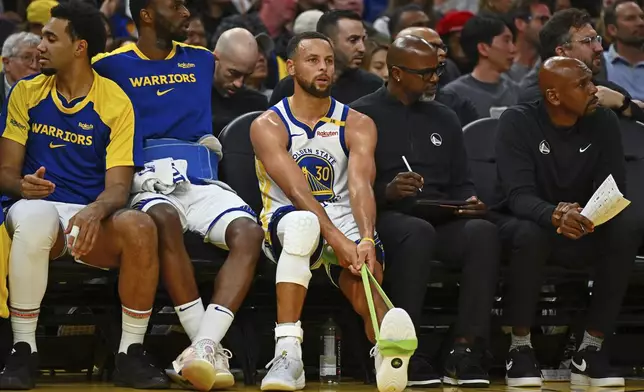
541,18
587,40
440,46
27,58
425,74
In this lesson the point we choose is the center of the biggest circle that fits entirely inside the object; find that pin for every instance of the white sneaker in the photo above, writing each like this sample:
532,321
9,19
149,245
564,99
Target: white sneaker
197,364
286,373
391,367
224,378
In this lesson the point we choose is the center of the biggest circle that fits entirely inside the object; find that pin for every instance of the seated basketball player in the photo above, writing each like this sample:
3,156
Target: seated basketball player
170,84
315,166
67,157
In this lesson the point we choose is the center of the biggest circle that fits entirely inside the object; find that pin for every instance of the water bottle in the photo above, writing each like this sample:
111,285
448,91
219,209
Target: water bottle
330,353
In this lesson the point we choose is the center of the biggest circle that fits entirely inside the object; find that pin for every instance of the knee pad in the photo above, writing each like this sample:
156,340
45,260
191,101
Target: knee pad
35,221
301,235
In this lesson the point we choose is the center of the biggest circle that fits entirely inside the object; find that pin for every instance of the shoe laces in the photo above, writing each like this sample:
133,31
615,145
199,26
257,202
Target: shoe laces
374,351
280,363
222,356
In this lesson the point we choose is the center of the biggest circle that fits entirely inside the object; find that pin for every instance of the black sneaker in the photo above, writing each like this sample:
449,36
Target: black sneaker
421,373
135,370
463,368
522,368
590,367
21,368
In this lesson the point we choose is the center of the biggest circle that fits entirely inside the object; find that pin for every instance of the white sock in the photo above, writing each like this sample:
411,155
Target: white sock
215,323
24,324
190,316
290,344
134,325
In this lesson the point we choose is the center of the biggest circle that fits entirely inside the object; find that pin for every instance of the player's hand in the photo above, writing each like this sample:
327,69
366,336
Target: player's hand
34,186
609,98
366,256
560,210
473,208
88,221
347,253
574,225
404,185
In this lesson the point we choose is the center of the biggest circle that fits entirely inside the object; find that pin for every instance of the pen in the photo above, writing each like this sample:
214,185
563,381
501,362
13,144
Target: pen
409,168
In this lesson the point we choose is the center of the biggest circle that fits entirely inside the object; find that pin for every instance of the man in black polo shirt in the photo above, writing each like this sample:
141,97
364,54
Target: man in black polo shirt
552,155
429,136
346,31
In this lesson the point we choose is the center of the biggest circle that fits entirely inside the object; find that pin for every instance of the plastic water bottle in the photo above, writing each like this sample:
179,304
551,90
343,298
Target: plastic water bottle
330,354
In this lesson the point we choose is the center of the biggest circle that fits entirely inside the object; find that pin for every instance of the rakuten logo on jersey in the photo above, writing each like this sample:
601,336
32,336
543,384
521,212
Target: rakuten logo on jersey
327,133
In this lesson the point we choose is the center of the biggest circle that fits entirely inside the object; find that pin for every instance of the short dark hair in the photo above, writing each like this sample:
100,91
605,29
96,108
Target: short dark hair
135,9
479,29
291,48
328,22
523,8
394,19
85,22
610,13
556,31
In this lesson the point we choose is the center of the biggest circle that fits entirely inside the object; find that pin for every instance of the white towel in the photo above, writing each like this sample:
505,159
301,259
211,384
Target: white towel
161,176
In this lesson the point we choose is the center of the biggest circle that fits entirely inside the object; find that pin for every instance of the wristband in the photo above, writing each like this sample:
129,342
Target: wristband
625,105
369,240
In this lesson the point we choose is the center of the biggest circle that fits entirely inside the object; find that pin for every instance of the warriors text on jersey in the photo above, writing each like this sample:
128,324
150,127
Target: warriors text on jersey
322,155
171,97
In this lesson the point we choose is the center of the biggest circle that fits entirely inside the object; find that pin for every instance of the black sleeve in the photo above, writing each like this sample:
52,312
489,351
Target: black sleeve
461,185
283,89
516,170
530,93
611,160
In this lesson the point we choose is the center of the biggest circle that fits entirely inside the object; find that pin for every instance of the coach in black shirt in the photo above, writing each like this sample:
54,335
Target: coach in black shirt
552,155
346,31
429,136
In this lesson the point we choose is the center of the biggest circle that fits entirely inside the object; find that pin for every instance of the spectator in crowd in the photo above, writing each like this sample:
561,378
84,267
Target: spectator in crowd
236,53
182,111
494,8
347,33
67,192
552,155
307,21
324,218
410,15
529,17
38,14
375,59
430,137
311,5
381,24
258,79
196,32
19,59
488,44
569,33
109,41
624,22
461,105
212,13
450,28
356,6
561,5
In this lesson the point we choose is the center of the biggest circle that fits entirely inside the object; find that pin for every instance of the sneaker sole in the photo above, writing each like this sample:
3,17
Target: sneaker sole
277,385
392,375
177,379
224,380
425,384
201,374
474,383
585,381
524,382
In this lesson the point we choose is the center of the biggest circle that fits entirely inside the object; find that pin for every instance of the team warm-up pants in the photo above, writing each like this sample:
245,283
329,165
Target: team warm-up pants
471,244
611,250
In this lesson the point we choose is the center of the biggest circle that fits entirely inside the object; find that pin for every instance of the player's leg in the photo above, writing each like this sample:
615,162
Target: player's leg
295,238
177,273
128,240
36,238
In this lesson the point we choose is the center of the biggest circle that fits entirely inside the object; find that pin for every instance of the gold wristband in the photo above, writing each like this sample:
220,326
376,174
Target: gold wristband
369,240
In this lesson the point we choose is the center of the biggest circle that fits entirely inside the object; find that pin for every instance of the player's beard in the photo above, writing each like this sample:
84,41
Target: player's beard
48,71
312,90
166,33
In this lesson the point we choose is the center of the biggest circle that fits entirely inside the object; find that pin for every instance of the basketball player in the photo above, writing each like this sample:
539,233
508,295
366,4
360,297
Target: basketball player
170,86
315,167
67,157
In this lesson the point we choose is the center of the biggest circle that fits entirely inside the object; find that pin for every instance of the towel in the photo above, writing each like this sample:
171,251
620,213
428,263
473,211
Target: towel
161,176
5,246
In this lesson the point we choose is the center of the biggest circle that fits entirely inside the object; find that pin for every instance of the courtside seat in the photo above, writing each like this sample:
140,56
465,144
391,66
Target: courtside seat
480,138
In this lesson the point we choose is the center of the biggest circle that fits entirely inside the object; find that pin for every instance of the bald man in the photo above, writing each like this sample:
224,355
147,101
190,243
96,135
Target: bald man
462,106
169,84
236,54
412,125
552,155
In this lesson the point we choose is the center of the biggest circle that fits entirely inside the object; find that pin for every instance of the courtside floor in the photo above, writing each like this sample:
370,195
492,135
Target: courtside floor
631,386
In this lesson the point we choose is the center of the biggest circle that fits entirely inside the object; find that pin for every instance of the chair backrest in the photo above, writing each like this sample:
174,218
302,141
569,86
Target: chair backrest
632,138
480,138
237,168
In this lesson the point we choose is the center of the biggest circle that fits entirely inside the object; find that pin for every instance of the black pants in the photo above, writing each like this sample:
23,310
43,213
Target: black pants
411,244
611,249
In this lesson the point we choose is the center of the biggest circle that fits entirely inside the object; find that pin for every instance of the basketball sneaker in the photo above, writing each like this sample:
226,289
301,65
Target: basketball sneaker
464,368
286,370
20,369
197,364
224,378
590,367
135,370
522,369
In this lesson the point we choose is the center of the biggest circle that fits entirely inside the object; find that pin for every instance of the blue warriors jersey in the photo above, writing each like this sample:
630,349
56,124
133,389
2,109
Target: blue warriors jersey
171,97
76,143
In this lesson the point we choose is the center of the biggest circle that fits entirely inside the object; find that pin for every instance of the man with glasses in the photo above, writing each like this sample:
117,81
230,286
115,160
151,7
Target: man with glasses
19,60
488,44
415,130
529,18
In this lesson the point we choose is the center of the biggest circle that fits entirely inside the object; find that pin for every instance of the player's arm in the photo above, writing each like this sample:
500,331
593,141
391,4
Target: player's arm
14,122
270,141
361,138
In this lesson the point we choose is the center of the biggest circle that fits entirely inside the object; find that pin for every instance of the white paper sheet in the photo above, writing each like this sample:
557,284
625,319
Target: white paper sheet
606,203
